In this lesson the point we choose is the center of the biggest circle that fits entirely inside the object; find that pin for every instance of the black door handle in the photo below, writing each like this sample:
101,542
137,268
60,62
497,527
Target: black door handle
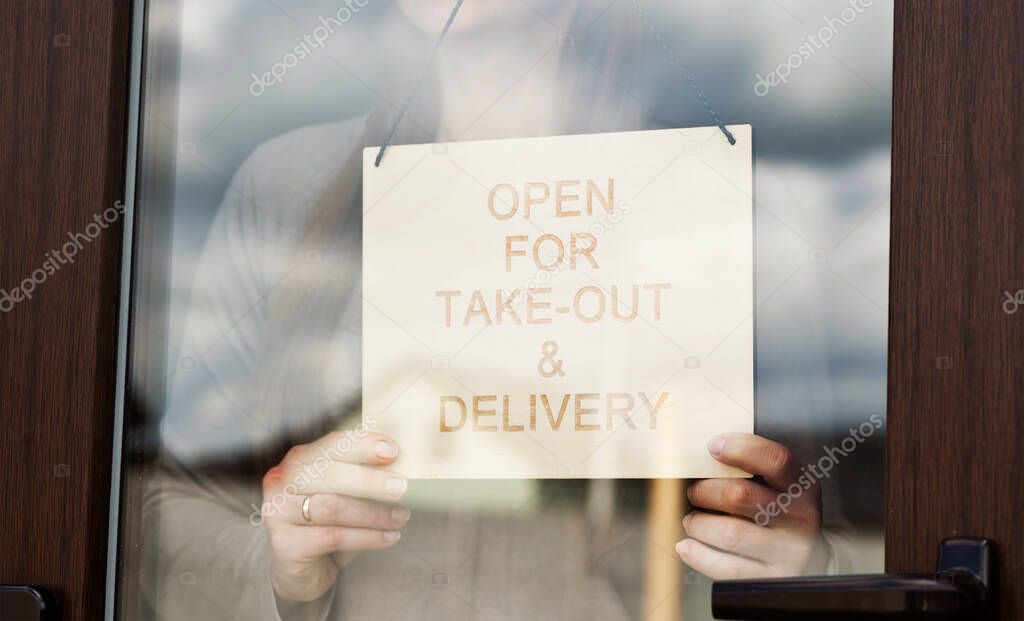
20,602
958,590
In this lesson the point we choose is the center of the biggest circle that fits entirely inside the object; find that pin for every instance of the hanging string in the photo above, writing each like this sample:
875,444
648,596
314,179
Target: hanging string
408,100
686,74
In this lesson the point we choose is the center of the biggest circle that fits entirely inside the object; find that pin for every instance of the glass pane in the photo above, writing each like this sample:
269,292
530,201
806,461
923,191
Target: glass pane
248,306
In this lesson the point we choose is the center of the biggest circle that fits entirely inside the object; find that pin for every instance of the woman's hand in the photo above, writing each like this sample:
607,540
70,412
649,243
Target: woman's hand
350,509
770,528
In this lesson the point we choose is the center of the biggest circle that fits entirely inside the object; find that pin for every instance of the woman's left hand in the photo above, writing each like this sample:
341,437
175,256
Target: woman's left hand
769,528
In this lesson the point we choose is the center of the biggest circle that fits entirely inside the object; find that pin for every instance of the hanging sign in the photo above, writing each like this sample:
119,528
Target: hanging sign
572,306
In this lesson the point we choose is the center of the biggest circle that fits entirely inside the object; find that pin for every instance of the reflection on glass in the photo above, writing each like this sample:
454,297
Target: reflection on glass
253,311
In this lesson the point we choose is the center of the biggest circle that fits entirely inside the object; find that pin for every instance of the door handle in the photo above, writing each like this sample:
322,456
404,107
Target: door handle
958,590
20,602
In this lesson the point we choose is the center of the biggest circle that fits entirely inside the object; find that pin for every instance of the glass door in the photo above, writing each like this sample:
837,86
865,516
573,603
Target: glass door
325,414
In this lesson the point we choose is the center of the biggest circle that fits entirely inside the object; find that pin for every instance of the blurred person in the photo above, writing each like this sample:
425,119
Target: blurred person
280,343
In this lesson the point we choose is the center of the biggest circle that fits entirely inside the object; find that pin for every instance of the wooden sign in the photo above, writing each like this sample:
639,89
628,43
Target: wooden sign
572,306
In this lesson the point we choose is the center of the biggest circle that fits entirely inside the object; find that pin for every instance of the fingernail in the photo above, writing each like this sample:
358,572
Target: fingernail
683,547
395,487
686,521
716,444
400,515
392,536
386,450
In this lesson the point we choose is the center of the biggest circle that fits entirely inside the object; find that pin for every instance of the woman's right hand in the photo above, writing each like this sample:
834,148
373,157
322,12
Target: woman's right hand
351,508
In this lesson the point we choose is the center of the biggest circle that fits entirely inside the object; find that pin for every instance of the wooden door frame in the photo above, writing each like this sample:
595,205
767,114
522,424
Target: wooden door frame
956,358
957,229
63,112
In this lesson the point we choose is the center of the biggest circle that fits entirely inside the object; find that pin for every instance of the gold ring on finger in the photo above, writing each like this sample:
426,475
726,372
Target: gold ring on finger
305,510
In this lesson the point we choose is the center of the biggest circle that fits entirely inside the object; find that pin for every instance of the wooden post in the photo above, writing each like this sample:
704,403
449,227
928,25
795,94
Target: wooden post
663,571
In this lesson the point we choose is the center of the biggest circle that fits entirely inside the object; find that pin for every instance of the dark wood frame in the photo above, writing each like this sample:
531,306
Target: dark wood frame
956,360
956,374
63,110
